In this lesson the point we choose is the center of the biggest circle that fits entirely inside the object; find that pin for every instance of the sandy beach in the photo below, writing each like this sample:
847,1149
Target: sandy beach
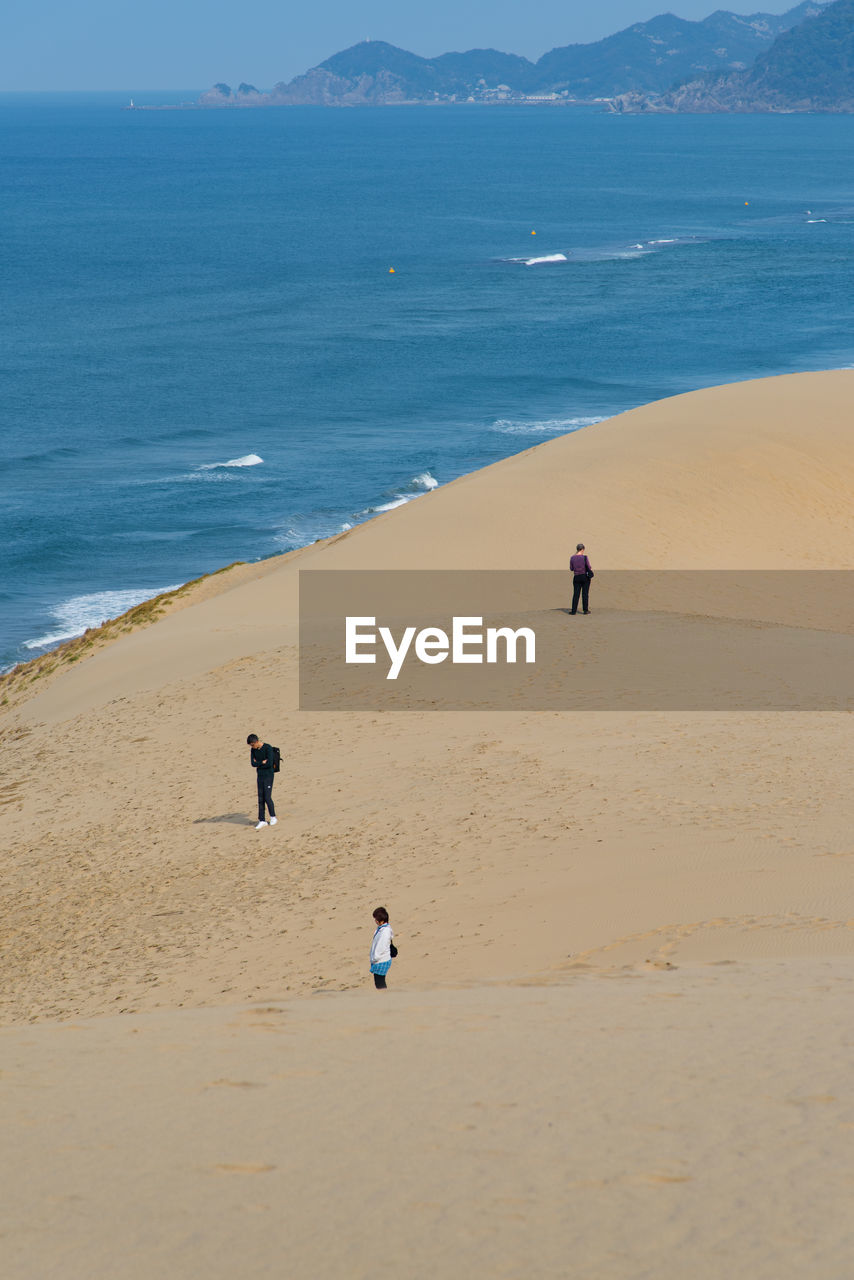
614,1042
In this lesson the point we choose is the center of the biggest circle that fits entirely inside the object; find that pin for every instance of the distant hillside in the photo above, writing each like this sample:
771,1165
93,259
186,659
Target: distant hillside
651,56
375,72
647,57
809,68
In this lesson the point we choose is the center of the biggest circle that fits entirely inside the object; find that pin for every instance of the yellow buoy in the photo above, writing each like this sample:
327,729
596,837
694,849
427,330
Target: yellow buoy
391,271
746,203
533,233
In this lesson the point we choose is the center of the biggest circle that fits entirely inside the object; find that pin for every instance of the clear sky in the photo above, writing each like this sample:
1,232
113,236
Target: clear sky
189,44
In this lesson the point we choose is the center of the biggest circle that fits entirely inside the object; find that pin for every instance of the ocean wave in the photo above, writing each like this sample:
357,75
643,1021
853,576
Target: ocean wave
842,215
424,482
546,257
210,472
607,253
47,456
77,614
548,426
204,476
534,262
636,249
249,460
386,506
302,531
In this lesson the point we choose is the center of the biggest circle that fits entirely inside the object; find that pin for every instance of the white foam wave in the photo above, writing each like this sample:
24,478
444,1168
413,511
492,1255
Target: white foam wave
211,472
249,460
548,426
76,615
816,219
418,485
623,255
547,257
606,253
639,249
302,532
221,475
533,262
388,506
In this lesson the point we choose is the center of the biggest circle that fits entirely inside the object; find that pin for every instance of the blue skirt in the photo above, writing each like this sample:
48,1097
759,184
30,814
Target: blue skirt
381,966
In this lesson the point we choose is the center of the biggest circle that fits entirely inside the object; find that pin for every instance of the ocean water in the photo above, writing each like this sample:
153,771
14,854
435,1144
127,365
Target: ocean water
205,356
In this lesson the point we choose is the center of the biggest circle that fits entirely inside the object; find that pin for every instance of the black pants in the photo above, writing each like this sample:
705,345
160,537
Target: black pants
580,587
379,981
265,793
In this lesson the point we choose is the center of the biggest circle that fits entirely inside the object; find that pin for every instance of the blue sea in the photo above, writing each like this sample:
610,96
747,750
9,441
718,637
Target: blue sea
206,357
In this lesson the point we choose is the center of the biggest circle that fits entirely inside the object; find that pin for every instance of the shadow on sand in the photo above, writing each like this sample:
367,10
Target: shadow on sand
239,819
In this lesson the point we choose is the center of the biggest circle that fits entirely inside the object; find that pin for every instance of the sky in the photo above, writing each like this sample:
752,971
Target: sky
191,44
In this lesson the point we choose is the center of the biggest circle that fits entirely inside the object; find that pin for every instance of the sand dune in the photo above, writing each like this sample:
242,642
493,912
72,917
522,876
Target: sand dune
754,475
666,1123
528,859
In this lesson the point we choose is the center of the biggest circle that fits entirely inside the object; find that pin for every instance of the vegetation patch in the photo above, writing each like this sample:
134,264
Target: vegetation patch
26,674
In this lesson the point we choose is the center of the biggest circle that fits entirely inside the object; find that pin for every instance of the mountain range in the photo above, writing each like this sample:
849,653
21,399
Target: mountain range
646,58
808,68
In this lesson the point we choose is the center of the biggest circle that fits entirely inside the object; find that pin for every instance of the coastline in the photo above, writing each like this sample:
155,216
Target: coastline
403,102
517,479
70,648
763,495
170,526
622,935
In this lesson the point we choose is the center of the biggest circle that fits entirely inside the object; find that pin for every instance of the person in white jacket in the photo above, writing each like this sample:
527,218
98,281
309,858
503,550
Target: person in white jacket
381,948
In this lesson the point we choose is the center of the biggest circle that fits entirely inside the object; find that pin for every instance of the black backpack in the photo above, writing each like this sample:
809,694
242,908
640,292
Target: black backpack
276,756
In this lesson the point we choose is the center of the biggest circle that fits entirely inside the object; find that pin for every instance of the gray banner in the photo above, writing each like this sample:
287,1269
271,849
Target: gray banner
507,641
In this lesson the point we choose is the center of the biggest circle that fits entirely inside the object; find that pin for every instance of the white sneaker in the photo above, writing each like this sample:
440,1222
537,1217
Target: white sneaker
273,821
260,825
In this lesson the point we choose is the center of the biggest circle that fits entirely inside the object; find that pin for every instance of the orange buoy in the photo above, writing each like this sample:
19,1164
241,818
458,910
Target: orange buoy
391,271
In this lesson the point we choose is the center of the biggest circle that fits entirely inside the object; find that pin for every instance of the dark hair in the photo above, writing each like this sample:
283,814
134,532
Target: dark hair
381,914
253,737
580,546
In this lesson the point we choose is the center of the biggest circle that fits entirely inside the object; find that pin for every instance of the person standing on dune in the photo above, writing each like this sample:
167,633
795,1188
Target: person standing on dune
261,757
383,949
582,572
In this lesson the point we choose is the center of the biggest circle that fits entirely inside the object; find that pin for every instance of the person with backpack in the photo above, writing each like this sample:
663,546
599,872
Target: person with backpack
265,760
582,573
383,949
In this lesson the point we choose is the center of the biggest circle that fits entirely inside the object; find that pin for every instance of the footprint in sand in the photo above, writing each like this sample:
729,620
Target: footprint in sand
244,1168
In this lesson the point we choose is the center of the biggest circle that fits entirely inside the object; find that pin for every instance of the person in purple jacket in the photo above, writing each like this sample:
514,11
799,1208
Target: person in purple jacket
582,572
